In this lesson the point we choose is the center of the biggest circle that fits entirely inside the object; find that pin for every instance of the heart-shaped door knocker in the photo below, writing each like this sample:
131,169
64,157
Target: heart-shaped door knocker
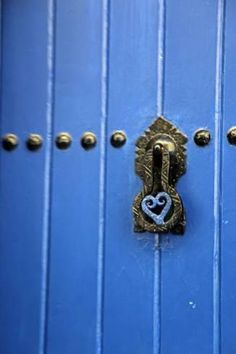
160,161
149,203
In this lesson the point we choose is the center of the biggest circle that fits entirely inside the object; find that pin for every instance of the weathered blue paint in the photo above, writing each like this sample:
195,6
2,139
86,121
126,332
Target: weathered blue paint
74,277
24,180
228,217
187,264
75,201
132,106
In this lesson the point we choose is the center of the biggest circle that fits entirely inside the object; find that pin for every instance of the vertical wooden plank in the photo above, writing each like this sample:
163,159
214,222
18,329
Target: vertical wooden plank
132,100
228,259
72,305
157,248
24,79
218,177
187,263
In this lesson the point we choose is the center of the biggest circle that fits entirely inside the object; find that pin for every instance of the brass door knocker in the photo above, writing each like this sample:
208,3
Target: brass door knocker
160,161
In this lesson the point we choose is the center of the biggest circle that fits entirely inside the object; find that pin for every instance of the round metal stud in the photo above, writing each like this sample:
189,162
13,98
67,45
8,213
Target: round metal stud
10,142
202,137
231,135
63,141
118,138
88,140
34,142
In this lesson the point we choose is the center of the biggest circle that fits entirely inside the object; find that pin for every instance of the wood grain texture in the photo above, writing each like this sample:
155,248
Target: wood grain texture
187,304
74,277
24,175
228,216
129,260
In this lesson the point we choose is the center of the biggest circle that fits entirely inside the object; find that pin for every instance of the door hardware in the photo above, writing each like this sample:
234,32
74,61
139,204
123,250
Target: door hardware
231,135
88,140
63,141
160,161
10,142
202,137
118,138
34,142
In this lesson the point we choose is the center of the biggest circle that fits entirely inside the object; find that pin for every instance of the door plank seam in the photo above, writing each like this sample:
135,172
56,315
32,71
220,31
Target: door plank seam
51,13
218,176
102,178
159,110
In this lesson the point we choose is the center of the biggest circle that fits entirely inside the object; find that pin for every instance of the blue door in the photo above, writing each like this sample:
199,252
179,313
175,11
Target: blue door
74,276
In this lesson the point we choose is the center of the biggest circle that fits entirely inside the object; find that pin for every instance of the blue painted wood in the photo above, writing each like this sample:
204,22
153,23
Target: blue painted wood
132,105
24,96
187,265
74,278
73,322
228,243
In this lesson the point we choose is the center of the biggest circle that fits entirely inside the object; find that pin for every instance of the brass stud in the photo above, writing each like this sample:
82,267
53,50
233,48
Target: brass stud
231,135
10,142
63,141
88,140
118,138
34,142
202,137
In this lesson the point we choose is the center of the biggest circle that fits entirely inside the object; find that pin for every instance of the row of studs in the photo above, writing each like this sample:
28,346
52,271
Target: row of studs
88,140
202,137
62,141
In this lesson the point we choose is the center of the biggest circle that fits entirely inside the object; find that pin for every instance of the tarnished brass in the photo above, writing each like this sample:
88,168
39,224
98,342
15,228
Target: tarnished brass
160,161
88,140
231,135
118,138
63,141
10,142
34,142
202,137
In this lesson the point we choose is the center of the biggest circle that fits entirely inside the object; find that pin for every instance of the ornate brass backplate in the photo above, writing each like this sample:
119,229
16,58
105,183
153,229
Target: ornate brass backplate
160,161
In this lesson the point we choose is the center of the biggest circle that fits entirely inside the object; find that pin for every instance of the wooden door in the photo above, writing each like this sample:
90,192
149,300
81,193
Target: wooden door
74,276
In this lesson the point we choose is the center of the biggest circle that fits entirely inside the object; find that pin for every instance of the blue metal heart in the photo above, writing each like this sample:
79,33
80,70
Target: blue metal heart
150,202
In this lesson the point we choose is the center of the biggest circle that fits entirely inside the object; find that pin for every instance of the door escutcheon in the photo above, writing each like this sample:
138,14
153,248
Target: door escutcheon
160,161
